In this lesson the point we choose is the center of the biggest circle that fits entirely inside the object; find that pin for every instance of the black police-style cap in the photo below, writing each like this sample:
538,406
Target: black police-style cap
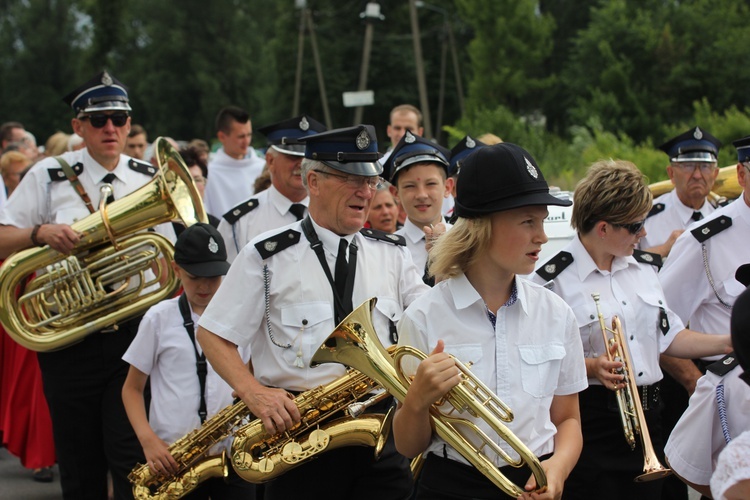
501,177
285,136
200,250
743,149
353,150
101,93
694,145
413,149
460,151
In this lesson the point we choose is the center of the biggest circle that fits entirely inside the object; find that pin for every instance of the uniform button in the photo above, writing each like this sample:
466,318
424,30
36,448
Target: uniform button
591,316
304,322
640,374
624,303
660,302
631,337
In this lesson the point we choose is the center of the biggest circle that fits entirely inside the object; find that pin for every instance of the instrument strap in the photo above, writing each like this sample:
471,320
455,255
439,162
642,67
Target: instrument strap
73,178
340,303
200,359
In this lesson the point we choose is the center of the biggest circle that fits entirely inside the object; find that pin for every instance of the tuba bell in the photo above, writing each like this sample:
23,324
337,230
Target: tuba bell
355,343
51,300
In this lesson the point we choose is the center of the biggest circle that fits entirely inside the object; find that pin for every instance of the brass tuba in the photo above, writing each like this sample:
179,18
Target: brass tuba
104,280
628,401
726,186
355,343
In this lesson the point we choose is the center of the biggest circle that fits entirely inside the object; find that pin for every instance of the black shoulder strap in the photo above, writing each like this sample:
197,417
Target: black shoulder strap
376,234
724,365
555,266
648,258
656,209
142,167
235,213
200,359
711,228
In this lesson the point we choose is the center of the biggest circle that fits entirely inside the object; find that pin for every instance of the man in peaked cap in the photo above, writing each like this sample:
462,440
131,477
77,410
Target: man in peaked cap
288,289
460,151
286,200
82,382
418,172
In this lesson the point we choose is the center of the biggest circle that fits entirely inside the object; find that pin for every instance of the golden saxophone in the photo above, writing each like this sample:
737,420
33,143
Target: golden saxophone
258,457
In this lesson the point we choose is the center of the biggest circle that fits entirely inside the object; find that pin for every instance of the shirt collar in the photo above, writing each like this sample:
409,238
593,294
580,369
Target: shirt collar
685,212
411,231
97,172
330,239
586,265
281,202
465,295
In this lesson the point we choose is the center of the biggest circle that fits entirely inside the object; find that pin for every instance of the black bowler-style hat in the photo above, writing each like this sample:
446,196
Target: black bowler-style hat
285,136
200,250
740,323
101,93
501,177
694,145
413,149
353,150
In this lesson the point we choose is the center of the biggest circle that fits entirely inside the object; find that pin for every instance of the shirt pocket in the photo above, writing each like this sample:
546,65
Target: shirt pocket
733,288
540,367
653,320
307,324
70,215
468,354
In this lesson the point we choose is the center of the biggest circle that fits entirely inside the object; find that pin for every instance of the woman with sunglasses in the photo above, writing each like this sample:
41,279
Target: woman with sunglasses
609,210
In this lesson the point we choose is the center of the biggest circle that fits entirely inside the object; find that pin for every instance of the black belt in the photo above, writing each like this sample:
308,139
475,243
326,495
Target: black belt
649,395
123,325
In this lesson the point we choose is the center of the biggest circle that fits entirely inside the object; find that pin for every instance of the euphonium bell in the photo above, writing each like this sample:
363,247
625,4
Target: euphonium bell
50,300
355,343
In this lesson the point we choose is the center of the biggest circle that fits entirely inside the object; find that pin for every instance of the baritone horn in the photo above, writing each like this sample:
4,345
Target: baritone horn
355,343
51,300
628,401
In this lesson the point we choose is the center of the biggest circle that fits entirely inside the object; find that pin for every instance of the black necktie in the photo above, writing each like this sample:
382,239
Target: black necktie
342,269
108,179
298,210
697,215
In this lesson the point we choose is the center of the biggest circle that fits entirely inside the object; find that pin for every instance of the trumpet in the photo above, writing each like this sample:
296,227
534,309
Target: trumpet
355,343
631,410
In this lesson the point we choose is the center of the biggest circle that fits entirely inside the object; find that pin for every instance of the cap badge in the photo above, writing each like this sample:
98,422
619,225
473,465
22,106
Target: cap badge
470,142
392,237
409,138
698,134
363,140
647,257
270,246
729,361
106,79
236,212
550,268
531,168
304,125
212,245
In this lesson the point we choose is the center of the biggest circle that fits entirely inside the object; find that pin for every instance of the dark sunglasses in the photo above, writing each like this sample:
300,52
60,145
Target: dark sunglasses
99,121
633,227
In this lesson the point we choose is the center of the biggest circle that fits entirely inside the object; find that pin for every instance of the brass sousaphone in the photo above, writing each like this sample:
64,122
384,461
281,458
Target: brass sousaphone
50,300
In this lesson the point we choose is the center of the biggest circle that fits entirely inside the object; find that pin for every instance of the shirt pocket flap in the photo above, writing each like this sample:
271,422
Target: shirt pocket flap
466,354
538,354
390,308
734,287
651,298
307,314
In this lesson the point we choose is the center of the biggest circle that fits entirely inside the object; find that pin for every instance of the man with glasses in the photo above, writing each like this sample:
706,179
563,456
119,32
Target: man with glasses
288,289
83,381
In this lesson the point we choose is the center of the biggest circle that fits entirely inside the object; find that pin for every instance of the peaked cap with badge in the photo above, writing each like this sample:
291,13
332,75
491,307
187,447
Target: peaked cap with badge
743,149
352,150
694,145
413,149
460,151
285,136
101,93
201,251
501,177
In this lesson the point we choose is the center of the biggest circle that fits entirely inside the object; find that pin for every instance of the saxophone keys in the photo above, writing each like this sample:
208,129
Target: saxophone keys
266,465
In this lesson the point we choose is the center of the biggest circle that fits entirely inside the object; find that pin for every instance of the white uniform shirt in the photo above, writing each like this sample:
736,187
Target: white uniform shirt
676,215
271,211
733,466
415,242
533,353
162,349
695,442
630,291
230,181
301,302
684,277
3,194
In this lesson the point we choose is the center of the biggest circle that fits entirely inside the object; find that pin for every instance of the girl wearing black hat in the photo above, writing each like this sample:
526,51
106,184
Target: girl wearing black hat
520,340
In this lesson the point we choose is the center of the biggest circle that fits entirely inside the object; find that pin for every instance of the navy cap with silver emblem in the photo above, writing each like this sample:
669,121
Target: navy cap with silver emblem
740,323
413,149
201,251
694,145
101,93
353,150
501,177
285,136
460,151
743,149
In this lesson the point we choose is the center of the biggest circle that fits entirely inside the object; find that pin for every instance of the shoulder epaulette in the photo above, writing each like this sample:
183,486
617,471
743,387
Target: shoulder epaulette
142,167
711,228
376,234
724,365
555,266
243,208
648,258
57,174
277,243
656,209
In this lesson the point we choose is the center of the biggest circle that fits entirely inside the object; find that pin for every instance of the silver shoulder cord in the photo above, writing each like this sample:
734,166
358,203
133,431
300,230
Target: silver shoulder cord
711,279
266,286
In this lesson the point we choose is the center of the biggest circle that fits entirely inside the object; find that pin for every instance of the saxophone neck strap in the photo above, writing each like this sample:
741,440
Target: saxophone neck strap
200,358
73,179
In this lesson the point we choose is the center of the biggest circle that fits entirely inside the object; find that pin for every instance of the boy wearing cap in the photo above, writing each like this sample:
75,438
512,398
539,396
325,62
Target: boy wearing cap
485,315
285,201
166,351
418,172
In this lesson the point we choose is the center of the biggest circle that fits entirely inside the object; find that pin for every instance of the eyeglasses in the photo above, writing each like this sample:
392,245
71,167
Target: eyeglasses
356,181
199,179
689,167
99,121
633,227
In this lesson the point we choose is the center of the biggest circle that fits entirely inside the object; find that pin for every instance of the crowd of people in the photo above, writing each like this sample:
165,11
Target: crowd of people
449,242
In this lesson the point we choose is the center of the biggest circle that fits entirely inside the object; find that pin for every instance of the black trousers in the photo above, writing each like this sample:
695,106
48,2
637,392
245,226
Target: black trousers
92,433
607,466
676,400
216,488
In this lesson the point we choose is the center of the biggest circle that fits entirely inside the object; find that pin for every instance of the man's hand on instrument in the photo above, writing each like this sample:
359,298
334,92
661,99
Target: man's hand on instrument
275,408
436,375
603,368
60,237
158,458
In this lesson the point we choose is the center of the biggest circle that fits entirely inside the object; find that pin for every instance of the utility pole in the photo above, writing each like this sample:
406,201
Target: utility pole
421,82
370,15
306,23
